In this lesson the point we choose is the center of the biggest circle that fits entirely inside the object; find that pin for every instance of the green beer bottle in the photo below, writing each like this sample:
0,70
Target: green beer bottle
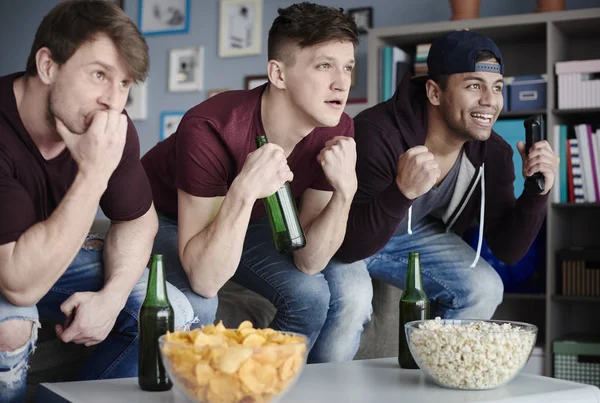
155,318
414,305
283,216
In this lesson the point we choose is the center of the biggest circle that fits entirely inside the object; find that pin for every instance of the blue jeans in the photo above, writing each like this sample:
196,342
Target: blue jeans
330,307
460,291
115,357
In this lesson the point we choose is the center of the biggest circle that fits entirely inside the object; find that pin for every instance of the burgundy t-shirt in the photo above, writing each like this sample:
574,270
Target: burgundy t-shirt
32,187
211,145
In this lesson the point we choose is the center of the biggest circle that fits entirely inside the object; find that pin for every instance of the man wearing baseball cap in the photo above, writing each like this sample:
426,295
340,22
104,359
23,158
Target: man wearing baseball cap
429,165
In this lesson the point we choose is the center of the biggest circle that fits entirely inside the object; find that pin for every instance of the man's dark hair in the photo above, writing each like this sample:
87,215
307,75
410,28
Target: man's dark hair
74,22
308,24
482,55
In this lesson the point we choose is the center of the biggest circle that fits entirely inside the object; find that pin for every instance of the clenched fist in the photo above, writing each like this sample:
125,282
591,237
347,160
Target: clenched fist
99,150
338,160
265,171
417,172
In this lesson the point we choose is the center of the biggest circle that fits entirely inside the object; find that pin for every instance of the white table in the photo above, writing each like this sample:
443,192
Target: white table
379,380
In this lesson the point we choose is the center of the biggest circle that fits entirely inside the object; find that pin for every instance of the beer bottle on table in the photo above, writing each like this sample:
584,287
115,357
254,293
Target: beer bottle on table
414,305
155,318
283,216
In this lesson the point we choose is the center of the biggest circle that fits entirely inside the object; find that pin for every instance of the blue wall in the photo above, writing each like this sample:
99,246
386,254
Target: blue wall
19,22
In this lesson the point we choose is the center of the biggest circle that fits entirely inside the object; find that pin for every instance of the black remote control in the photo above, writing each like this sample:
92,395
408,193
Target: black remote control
534,184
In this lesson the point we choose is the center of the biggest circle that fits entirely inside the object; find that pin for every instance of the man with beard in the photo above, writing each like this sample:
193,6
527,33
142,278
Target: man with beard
429,165
65,147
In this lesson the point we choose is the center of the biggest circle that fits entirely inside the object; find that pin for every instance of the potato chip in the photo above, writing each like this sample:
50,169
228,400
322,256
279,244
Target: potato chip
254,340
243,365
245,325
233,358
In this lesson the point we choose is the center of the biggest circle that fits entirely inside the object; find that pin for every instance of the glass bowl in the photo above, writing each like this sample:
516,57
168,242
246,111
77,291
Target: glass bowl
235,373
470,354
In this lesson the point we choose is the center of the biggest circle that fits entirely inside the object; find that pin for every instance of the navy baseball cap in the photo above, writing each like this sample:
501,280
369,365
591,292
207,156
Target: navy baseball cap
456,52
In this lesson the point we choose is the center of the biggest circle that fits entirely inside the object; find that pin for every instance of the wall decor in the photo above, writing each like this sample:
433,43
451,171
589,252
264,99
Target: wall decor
137,101
169,120
254,81
186,69
240,28
157,17
363,17
213,92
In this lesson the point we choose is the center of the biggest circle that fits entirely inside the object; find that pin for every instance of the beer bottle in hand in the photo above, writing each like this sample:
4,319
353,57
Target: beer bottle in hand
283,216
155,318
414,305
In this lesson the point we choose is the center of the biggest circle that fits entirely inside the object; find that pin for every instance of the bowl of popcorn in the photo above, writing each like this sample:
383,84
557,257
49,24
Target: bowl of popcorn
245,365
470,354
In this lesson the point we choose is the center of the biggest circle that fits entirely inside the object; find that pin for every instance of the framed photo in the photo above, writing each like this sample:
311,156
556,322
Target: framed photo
169,121
159,17
251,82
186,69
240,29
137,101
212,93
363,18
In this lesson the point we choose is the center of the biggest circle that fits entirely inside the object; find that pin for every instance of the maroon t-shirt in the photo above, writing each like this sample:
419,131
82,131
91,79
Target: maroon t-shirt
211,145
32,187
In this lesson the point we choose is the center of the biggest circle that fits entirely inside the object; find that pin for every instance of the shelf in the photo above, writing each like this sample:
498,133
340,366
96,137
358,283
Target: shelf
575,299
575,205
574,112
522,114
525,296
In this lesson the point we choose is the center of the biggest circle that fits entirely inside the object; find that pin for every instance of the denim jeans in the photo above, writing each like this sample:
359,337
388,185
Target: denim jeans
115,357
330,307
461,292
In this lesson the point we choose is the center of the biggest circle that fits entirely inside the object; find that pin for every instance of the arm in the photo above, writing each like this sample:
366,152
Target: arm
210,246
126,251
26,276
210,249
511,226
324,216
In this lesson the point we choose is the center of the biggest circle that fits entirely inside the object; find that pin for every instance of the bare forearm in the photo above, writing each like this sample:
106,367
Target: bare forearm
43,252
211,257
126,251
324,236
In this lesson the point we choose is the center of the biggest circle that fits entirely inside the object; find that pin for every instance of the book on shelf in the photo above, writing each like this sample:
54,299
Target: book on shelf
578,176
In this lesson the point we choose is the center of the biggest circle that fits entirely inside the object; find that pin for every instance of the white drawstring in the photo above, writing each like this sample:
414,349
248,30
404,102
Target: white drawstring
410,220
481,215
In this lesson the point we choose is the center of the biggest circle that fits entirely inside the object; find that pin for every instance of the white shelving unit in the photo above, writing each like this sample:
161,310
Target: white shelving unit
530,44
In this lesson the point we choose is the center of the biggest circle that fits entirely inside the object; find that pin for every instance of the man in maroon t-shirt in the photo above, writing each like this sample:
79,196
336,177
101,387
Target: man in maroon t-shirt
65,147
208,178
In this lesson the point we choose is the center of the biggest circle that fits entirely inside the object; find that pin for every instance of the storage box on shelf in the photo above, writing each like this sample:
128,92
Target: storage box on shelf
577,358
578,84
531,44
528,93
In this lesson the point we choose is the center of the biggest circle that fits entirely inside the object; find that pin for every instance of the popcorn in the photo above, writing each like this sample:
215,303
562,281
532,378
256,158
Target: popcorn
478,355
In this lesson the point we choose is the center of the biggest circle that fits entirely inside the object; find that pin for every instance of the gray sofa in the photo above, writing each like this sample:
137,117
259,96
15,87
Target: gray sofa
54,361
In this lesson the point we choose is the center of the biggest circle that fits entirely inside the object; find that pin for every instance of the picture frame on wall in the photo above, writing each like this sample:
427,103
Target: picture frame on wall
137,101
186,69
240,27
213,92
363,17
169,121
251,82
159,17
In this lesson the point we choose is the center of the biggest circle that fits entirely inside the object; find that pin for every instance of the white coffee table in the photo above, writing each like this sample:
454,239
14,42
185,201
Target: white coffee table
379,380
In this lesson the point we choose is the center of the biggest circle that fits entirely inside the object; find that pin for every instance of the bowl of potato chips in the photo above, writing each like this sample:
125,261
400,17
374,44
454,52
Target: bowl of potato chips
245,365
